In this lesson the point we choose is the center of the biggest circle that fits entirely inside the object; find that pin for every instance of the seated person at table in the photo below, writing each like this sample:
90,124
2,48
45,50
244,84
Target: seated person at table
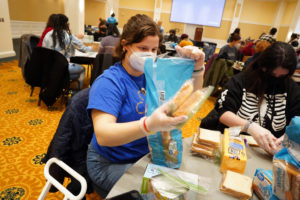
262,99
172,36
61,40
230,51
117,105
49,27
109,42
102,28
184,40
259,47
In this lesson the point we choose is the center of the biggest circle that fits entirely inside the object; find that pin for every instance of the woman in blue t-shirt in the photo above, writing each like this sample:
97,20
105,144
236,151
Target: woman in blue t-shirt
117,105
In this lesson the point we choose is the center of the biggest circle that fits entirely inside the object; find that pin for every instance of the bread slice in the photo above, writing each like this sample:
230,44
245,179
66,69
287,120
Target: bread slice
195,143
237,185
203,151
209,137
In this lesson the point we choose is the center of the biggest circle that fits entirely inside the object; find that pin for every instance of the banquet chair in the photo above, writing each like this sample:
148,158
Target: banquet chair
48,69
101,63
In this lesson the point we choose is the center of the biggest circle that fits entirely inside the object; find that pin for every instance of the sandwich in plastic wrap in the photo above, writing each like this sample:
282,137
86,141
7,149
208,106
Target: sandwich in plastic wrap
286,164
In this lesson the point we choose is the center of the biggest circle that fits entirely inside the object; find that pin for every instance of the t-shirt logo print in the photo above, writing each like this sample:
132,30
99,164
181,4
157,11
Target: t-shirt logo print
137,107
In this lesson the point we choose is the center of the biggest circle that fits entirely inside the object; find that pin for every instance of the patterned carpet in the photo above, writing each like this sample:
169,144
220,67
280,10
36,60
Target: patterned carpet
25,132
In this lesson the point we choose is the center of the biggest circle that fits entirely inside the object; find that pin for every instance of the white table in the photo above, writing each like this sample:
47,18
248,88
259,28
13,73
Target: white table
87,54
132,179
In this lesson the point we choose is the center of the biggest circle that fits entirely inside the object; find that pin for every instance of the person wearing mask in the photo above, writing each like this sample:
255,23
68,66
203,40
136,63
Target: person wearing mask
184,40
270,37
49,27
61,40
172,36
230,51
102,28
117,105
108,43
262,99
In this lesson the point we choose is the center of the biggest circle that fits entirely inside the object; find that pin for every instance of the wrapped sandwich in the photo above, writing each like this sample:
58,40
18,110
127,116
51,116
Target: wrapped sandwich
286,164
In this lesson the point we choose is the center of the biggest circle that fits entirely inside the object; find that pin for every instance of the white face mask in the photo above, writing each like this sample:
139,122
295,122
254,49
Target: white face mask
137,59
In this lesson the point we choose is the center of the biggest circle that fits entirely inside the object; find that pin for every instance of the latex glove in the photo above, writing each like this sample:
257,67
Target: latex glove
194,53
160,121
263,137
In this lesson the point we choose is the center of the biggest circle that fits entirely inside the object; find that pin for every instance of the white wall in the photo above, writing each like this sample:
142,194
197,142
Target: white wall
6,44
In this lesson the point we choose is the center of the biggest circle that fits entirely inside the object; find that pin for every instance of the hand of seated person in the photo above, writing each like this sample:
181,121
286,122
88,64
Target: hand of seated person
264,138
80,36
160,121
194,53
95,47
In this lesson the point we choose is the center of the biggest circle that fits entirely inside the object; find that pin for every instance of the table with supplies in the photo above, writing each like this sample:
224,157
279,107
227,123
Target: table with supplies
132,179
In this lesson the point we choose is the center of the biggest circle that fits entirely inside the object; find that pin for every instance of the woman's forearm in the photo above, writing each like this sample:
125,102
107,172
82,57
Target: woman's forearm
110,133
198,79
230,119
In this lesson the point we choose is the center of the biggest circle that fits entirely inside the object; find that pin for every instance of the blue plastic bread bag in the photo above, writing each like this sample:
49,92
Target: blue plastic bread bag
286,164
163,79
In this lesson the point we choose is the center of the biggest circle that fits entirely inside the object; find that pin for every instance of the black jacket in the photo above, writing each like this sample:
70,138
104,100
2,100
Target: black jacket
72,137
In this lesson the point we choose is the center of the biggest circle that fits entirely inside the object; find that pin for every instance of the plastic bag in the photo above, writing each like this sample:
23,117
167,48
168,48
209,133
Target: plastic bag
163,79
188,102
165,183
286,164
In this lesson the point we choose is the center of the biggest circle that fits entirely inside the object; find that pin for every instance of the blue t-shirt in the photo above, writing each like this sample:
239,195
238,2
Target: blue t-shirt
118,93
111,20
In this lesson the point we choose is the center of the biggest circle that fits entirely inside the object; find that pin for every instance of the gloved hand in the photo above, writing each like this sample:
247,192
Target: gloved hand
160,121
263,137
194,53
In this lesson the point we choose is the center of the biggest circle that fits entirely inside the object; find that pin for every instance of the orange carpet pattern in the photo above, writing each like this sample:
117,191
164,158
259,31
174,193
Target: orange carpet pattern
25,132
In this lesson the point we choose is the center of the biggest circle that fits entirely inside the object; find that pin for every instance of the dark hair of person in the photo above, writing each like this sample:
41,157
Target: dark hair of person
113,15
135,30
279,54
273,31
294,36
60,26
173,31
183,36
51,20
237,31
102,22
234,37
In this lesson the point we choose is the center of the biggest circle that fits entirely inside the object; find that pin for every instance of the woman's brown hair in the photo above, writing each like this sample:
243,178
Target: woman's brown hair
135,30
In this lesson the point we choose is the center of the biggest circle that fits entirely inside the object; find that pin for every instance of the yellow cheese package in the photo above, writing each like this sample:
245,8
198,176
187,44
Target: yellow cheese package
234,156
